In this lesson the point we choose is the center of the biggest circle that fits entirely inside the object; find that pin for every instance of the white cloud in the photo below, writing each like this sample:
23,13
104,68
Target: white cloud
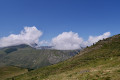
71,40
94,39
64,41
67,41
43,43
29,35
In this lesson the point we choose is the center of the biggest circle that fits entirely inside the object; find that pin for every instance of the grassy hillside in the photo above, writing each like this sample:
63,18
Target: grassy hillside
10,71
98,62
28,57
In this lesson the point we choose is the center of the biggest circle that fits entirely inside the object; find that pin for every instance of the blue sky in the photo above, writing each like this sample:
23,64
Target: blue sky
52,17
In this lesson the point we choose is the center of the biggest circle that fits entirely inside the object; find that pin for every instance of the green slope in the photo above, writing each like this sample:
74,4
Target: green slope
10,71
28,57
98,62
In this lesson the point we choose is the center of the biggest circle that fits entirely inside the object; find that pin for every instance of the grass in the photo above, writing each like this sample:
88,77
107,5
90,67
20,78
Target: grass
101,70
10,71
98,62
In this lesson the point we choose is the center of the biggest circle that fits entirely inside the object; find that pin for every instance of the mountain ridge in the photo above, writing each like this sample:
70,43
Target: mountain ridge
28,57
97,62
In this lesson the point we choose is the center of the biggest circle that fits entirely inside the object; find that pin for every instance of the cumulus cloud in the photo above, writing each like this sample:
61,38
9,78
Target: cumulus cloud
67,41
71,40
94,39
64,41
29,35
44,43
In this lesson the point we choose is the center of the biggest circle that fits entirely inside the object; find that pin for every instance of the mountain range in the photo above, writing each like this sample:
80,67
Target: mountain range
26,56
97,62
101,61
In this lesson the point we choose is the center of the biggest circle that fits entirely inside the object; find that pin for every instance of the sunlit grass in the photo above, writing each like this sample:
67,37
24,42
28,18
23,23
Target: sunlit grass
98,62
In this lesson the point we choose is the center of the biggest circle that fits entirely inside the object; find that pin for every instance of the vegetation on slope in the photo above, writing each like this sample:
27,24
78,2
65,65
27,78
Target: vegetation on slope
10,71
98,62
28,57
